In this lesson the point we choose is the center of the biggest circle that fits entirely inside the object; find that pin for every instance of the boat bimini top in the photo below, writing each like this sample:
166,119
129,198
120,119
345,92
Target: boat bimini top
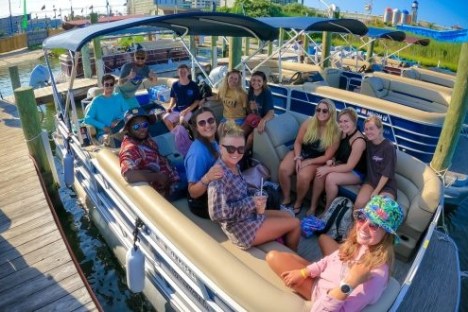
198,23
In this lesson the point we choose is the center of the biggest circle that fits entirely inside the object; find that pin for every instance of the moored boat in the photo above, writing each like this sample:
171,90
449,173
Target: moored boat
189,263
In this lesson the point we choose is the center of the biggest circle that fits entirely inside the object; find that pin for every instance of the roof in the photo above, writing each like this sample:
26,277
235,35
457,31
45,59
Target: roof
342,25
459,35
192,23
390,34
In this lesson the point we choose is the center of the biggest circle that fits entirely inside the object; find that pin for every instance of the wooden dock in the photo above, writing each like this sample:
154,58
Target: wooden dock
37,272
44,95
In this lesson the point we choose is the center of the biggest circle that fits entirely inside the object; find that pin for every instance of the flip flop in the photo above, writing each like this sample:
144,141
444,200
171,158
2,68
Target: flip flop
297,210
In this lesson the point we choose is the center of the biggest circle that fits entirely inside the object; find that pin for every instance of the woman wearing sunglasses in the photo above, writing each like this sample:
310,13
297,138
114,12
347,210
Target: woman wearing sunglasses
315,144
347,167
132,75
231,206
381,161
351,275
139,156
200,160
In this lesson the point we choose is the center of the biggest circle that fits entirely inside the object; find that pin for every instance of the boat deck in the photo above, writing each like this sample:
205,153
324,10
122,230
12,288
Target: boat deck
36,270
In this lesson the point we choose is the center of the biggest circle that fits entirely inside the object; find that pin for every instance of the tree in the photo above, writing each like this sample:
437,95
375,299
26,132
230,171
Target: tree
257,8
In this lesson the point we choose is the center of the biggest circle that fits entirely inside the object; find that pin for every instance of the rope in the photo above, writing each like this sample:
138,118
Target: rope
442,174
33,138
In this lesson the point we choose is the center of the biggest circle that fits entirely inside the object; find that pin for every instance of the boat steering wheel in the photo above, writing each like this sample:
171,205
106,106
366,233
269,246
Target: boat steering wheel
296,78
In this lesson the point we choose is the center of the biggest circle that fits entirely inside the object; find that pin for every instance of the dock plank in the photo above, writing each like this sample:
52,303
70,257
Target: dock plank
36,270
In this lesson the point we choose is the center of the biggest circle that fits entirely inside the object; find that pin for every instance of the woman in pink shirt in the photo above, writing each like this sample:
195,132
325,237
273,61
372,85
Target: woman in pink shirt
357,272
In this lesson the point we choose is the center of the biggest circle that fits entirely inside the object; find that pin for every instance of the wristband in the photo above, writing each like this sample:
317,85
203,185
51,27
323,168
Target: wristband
201,181
297,158
303,273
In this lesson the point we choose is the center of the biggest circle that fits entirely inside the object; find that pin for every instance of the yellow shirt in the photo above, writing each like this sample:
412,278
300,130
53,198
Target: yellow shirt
233,109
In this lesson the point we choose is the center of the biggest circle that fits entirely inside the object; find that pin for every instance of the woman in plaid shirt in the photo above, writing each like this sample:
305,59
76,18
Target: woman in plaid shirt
234,209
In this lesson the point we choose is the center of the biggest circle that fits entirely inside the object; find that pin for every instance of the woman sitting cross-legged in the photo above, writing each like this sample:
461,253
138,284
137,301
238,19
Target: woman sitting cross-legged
235,210
347,167
381,161
200,160
355,273
316,143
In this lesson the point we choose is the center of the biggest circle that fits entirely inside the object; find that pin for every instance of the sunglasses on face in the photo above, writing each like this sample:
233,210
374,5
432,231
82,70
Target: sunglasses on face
321,110
108,84
140,58
140,125
203,123
361,218
231,149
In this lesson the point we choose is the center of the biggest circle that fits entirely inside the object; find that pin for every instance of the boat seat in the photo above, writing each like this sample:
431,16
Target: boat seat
374,86
418,187
240,262
410,73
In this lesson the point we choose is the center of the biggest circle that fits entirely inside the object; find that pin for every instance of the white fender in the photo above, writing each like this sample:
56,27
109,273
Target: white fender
135,263
68,169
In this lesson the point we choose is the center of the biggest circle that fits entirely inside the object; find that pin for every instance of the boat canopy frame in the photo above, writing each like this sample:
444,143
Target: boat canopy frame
297,26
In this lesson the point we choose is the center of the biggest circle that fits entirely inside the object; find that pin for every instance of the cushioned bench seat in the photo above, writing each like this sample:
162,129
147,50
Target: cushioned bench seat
419,188
244,275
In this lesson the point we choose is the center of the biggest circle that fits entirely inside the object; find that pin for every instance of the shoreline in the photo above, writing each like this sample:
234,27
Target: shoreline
19,56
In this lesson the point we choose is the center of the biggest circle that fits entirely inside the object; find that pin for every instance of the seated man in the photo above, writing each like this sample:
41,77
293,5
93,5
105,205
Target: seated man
185,97
106,112
132,76
139,156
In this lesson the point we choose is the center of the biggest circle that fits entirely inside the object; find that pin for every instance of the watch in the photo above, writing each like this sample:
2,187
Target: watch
345,288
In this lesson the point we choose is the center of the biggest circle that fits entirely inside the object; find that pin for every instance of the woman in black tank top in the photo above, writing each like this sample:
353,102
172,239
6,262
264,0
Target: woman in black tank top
347,167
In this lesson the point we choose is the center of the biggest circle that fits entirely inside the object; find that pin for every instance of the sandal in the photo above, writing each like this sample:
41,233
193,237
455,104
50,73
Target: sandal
297,210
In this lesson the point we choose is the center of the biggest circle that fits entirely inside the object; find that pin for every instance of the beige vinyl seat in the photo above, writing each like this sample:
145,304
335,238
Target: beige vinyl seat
419,188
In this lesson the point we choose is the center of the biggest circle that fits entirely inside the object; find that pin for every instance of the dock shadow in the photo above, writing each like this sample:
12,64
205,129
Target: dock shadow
27,273
10,109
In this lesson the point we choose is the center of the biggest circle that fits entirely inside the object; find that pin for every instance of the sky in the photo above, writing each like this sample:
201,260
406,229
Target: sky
434,11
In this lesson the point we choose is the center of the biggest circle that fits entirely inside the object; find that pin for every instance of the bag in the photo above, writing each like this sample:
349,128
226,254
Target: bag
311,225
253,176
181,139
205,89
338,219
159,93
274,195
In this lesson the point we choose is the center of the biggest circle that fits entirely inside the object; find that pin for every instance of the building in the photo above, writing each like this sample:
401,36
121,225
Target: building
203,4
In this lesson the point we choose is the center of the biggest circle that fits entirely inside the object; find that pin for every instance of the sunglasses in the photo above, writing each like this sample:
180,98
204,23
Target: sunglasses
203,123
108,84
361,218
322,110
142,125
140,58
231,149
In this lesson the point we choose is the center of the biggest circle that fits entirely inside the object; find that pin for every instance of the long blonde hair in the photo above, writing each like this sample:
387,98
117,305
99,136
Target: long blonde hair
239,93
332,132
381,253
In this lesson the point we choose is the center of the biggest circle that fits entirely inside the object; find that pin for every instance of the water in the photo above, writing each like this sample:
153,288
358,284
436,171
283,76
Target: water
102,270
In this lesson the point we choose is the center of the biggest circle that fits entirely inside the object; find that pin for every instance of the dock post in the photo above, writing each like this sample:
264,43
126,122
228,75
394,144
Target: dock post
98,62
235,51
326,44
306,49
450,134
29,116
247,46
86,60
14,77
214,51
370,51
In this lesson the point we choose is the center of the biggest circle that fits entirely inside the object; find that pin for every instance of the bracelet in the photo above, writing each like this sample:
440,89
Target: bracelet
303,273
297,158
201,181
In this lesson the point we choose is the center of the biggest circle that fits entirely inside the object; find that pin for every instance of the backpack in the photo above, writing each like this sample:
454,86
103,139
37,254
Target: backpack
338,219
205,90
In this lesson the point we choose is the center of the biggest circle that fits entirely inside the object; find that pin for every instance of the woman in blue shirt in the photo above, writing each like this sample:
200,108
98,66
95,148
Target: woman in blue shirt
200,159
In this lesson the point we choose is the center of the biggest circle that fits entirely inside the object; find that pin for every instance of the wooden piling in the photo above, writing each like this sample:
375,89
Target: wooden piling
14,77
30,122
214,51
97,53
235,51
326,44
450,134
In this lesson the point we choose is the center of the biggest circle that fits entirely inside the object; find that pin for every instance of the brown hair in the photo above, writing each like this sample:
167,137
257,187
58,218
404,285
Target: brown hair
196,134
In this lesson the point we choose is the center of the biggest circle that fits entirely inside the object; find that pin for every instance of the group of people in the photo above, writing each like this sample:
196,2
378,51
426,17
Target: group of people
326,154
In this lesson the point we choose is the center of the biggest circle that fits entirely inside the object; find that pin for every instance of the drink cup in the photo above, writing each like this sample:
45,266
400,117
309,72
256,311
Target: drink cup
260,199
